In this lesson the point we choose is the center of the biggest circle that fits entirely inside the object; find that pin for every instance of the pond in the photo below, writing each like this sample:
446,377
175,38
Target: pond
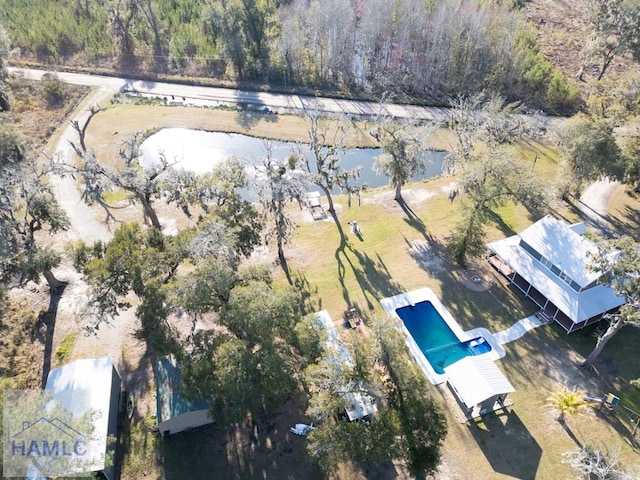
199,151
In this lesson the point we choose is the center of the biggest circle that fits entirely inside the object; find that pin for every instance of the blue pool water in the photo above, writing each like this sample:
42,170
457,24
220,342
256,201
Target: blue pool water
434,337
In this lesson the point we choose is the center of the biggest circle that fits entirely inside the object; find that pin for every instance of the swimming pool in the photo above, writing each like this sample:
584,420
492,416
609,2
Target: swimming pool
434,337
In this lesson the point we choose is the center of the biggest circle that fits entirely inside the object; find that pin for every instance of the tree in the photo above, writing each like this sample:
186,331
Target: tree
143,183
490,175
322,164
409,425
630,146
121,15
11,145
591,464
468,235
330,380
138,261
277,186
147,8
28,206
618,262
227,204
422,423
568,402
616,25
251,365
54,90
217,192
4,53
589,153
403,156
245,27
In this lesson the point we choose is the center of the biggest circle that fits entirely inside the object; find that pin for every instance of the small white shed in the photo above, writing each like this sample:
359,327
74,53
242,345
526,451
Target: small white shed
478,382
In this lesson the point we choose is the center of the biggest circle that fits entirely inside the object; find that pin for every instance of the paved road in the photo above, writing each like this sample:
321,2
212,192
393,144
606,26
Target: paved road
272,101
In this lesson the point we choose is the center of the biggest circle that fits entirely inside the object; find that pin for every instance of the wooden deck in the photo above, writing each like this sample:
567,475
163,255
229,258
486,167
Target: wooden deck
502,267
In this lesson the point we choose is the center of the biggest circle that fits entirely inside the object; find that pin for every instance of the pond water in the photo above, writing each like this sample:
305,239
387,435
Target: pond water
199,151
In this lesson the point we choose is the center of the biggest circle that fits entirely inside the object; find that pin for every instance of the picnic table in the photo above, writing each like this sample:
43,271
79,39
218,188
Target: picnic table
353,317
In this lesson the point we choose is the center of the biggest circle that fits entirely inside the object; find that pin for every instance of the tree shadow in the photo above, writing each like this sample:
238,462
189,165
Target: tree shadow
629,224
256,448
48,318
137,380
499,222
569,432
507,444
623,429
371,274
601,223
412,219
308,295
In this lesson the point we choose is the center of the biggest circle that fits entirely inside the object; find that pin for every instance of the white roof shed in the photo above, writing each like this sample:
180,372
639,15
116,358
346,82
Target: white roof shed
476,379
91,385
359,403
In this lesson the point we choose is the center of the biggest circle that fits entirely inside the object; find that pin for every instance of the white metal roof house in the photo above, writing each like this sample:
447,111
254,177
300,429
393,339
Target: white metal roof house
174,412
91,386
549,262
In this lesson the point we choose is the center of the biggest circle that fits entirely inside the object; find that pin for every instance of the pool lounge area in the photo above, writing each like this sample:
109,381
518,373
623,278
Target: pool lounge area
433,336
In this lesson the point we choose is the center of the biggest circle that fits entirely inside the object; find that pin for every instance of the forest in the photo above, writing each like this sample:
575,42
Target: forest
418,51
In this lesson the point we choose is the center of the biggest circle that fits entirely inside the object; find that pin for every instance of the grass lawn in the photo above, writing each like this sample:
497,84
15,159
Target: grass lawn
398,253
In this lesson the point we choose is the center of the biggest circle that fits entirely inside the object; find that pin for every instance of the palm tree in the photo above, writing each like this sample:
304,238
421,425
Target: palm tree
568,401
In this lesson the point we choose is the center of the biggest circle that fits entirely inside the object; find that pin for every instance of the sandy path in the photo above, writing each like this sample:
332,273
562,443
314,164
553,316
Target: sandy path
593,206
84,225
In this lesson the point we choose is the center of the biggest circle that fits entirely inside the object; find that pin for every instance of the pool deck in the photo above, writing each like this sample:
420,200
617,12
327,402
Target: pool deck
391,304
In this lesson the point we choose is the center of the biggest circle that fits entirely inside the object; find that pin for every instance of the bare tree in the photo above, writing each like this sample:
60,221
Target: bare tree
277,186
592,464
404,147
81,130
144,184
146,6
322,165
121,15
490,173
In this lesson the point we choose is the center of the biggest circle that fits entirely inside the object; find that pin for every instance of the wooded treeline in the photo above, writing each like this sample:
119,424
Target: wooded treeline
419,50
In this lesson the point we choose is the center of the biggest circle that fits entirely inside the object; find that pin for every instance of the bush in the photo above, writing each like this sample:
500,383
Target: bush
562,96
65,347
54,90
